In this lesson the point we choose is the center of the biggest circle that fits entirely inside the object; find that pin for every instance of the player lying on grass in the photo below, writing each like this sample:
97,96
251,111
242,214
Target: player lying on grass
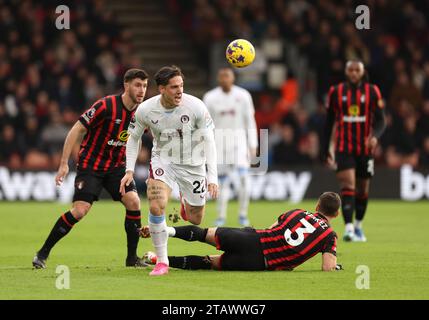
294,238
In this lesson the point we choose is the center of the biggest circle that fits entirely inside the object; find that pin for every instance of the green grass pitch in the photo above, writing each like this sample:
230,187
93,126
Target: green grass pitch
397,254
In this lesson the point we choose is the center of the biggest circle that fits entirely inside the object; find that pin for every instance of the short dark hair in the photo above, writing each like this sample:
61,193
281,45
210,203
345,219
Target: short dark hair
132,74
166,73
329,203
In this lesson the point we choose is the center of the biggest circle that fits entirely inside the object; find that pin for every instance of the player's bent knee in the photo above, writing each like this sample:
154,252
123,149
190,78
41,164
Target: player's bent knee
215,261
196,214
195,220
211,236
80,210
131,201
156,209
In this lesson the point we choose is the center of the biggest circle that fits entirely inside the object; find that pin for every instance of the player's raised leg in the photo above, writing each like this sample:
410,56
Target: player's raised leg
61,228
158,193
193,195
346,179
194,214
192,262
187,233
193,233
362,190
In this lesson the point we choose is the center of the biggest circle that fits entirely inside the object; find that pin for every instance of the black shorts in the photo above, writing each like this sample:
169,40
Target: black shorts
88,184
242,249
363,164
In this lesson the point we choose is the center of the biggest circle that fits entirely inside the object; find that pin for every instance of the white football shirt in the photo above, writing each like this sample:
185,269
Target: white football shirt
178,132
233,114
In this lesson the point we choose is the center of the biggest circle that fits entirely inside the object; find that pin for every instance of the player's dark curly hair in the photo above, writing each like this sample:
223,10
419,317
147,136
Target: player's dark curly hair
329,203
166,73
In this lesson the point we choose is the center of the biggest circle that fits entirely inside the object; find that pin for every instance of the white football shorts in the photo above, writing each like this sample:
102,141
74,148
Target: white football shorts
190,179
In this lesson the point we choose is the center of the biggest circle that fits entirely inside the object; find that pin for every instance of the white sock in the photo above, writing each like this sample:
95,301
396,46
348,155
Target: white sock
159,235
171,231
358,224
350,227
243,196
222,202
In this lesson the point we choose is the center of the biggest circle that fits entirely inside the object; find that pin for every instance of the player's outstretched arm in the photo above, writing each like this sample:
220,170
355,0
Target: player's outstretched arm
75,136
329,262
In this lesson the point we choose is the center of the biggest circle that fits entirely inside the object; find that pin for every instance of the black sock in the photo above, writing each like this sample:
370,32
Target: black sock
361,204
191,233
63,225
132,224
190,262
348,204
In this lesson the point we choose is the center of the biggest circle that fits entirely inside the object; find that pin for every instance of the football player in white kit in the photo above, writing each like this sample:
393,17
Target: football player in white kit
232,111
183,144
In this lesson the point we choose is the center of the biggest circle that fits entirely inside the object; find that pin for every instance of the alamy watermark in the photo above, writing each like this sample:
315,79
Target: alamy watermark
363,280
63,279
63,20
190,147
363,20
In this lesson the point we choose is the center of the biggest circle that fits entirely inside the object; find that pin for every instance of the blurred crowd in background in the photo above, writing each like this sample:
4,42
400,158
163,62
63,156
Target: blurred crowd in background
395,52
48,77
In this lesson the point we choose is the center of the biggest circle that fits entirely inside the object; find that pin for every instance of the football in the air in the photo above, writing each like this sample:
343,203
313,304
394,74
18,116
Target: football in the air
240,53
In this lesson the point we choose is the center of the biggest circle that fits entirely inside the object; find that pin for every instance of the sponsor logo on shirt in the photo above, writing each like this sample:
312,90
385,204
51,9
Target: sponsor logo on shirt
123,135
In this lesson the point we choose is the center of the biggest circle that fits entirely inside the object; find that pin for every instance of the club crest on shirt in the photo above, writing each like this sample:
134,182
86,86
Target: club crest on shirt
184,119
90,113
354,110
159,172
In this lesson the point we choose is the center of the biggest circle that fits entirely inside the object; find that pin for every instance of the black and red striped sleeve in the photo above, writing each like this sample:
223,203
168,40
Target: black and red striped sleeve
93,116
330,244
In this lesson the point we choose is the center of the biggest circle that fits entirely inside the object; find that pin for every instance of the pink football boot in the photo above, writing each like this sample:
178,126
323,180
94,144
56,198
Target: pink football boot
159,270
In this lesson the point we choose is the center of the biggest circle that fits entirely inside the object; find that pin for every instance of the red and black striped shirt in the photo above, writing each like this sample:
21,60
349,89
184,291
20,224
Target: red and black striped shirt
103,147
354,109
298,236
